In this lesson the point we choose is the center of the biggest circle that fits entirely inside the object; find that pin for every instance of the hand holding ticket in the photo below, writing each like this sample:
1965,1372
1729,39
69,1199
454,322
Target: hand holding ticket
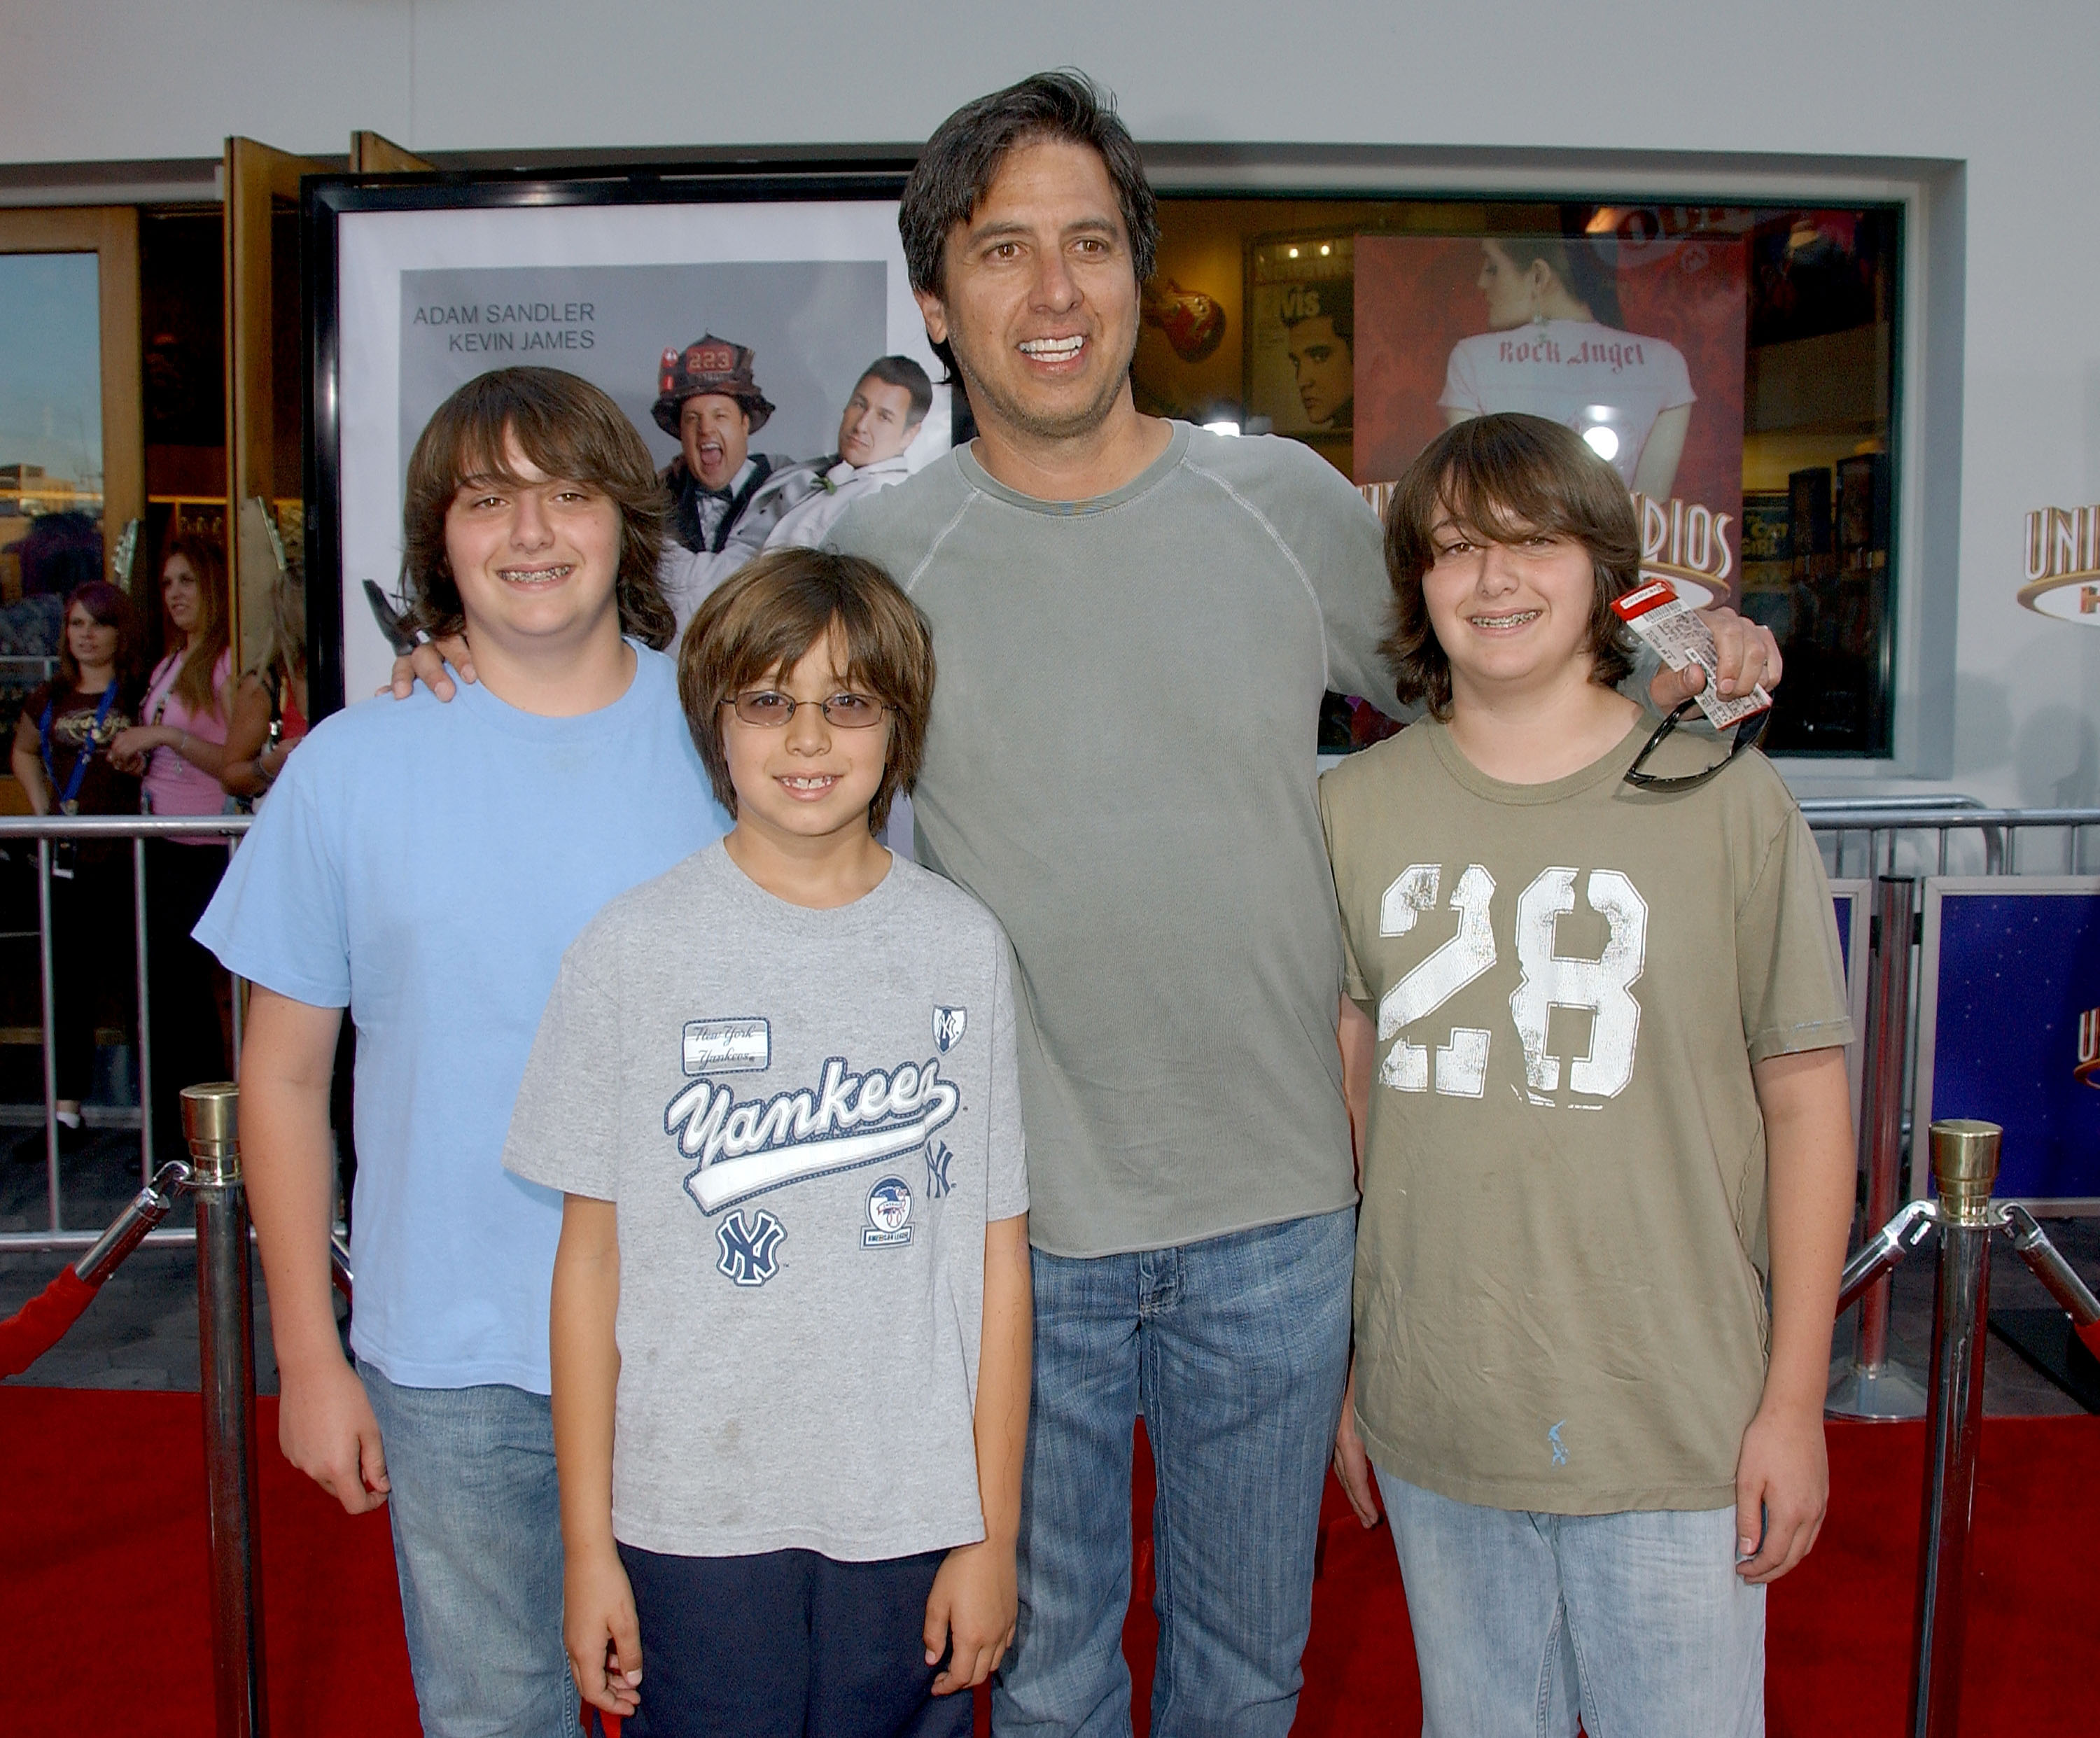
1682,638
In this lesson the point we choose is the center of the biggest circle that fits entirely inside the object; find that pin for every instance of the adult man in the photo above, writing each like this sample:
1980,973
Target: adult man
708,399
431,863
881,419
1136,622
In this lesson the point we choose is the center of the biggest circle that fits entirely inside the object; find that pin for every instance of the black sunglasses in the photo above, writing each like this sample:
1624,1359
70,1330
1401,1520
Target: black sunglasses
1748,734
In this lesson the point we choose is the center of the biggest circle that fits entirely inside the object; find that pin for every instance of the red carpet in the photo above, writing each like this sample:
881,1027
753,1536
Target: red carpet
104,1625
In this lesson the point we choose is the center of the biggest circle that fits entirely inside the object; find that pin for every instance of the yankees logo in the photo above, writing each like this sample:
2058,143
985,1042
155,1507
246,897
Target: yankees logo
849,1120
750,1254
938,1158
948,1024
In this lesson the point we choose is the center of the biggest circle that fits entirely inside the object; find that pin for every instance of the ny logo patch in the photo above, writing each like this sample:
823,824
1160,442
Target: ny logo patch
750,1253
948,1024
938,1158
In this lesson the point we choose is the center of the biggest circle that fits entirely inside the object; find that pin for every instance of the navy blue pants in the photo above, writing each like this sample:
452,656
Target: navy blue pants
787,1644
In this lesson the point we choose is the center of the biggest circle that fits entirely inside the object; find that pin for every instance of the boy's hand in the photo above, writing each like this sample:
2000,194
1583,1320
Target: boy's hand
1744,654
326,1428
426,664
1352,1466
601,1632
974,1605
1782,1490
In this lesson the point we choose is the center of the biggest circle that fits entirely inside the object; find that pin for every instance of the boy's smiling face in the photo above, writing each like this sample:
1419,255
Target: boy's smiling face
535,557
810,780
1512,617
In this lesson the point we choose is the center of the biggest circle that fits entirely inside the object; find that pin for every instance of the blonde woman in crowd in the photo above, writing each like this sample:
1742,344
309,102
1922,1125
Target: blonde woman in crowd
180,744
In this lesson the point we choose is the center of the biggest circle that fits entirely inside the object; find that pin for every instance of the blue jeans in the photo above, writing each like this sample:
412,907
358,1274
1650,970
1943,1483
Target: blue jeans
1636,1621
477,1546
1236,1349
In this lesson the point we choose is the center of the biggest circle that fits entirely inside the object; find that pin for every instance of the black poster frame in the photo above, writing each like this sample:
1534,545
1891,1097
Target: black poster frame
325,199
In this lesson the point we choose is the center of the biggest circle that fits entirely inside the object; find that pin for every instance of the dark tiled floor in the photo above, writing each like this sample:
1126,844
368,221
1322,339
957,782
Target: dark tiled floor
142,1331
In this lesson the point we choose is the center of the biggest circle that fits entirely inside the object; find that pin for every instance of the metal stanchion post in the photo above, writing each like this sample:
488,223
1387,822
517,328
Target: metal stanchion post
1964,1162
226,1332
145,1014
50,1031
1870,1385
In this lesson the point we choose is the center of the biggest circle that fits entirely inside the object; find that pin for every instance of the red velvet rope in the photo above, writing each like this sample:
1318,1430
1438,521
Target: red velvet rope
2091,1334
41,1323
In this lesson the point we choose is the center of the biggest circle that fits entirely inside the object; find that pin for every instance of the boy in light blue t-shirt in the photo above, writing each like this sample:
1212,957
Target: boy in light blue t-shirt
426,865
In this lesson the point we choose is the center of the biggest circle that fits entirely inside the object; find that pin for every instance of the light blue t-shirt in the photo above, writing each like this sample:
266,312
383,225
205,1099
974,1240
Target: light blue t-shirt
426,865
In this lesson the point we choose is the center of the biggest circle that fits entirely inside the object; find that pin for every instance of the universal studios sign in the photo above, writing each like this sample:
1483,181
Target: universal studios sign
2063,564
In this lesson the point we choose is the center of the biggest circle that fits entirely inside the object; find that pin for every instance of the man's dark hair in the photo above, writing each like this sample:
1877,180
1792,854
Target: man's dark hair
962,158
569,429
1500,478
901,371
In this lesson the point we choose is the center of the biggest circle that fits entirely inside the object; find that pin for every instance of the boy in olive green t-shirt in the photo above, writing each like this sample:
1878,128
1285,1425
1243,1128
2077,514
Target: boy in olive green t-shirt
1607,1103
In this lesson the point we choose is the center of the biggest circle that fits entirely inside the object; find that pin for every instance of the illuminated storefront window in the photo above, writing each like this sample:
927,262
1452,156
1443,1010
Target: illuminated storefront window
1734,364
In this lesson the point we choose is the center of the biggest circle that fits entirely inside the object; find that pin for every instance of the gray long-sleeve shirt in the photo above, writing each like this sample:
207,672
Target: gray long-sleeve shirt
1120,765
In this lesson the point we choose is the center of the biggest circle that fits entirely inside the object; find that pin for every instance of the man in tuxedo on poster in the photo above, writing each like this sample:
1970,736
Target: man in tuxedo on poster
1136,621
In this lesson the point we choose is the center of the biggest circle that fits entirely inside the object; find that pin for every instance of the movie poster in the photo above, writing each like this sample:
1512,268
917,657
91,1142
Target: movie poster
813,325
429,299
1301,303
1638,346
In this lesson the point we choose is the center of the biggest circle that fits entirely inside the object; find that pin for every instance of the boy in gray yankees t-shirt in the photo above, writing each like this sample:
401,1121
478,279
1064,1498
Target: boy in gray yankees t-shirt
791,1322
807,1118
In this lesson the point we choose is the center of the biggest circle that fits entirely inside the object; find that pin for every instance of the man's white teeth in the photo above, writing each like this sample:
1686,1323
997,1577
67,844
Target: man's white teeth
823,784
1052,349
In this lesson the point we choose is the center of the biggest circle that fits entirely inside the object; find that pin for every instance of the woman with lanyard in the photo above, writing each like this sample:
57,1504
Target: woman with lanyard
182,747
61,759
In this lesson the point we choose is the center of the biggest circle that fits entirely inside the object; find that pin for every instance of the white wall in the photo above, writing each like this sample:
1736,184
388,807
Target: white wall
2004,92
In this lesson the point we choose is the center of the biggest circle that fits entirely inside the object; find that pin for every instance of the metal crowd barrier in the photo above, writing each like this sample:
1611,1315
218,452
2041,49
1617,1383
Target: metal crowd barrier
1902,840
47,831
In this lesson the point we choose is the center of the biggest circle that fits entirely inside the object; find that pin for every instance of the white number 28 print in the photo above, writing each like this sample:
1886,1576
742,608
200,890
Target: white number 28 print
1603,986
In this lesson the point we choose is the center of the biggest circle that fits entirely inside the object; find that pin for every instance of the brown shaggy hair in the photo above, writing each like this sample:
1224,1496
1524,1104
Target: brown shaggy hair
568,428
769,614
207,561
1500,478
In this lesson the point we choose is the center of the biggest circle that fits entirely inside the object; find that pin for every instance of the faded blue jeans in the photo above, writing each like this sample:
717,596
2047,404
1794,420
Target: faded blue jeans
477,1546
1236,1349
1636,1621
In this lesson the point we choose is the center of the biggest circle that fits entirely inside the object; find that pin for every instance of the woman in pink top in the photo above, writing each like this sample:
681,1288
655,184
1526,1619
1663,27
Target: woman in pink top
181,744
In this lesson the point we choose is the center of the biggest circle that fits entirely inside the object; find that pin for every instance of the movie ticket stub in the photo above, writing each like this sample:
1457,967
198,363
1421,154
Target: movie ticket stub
1680,638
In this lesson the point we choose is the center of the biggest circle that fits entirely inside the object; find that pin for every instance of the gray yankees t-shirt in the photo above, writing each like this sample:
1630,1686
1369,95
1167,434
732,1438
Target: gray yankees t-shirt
806,1119
1121,765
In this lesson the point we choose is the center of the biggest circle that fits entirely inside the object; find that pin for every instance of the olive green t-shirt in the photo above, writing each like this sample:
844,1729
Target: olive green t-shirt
1561,1259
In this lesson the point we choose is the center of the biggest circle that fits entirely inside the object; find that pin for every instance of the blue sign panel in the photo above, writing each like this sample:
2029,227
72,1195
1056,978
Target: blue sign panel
2010,964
